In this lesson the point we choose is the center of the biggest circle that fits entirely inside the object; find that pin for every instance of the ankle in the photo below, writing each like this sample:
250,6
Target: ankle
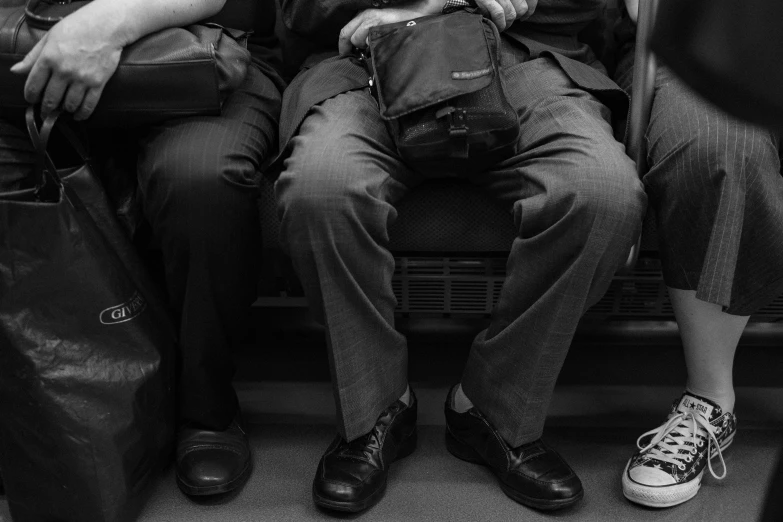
460,402
406,397
723,398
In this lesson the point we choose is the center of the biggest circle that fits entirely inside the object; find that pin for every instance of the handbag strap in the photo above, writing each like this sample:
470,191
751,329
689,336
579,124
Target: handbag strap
48,182
79,145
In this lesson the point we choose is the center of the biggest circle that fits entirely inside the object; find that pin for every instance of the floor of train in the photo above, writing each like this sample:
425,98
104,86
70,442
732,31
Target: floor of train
432,485
290,427
607,395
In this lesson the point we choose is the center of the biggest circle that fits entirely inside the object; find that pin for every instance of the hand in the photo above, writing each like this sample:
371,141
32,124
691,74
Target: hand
505,12
70,66
355,32
632,6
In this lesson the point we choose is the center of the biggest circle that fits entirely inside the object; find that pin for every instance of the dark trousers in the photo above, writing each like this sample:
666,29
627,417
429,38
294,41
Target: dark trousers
197,182
575,199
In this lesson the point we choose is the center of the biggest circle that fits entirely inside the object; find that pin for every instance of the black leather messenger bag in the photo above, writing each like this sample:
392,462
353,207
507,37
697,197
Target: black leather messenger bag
171,73
440,89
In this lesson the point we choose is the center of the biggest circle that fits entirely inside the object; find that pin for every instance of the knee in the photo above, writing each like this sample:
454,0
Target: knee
209,180
703,169
692,145
600,208
211,200
322,195
302,197
306,200
607,215
619,202
609,196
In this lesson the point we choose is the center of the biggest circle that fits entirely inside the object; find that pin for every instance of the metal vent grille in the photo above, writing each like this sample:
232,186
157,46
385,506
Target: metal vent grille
447,285
471,285
770,313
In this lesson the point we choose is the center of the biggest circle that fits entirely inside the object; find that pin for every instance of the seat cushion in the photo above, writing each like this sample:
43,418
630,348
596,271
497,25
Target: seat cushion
451,216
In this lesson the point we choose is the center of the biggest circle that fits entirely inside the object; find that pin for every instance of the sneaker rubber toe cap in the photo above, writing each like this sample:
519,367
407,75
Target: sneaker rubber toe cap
650,476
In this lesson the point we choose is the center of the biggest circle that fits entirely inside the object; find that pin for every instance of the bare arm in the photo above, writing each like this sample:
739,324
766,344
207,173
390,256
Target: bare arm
73,61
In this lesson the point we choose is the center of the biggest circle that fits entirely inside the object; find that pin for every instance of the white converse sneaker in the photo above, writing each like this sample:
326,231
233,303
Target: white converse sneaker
668,468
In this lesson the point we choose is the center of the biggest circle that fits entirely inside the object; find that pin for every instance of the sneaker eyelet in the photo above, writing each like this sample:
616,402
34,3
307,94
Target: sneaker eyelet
693,451
681,467
688,459
701,443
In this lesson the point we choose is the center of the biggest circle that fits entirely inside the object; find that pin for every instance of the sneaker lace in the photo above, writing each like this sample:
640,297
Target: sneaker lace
670,438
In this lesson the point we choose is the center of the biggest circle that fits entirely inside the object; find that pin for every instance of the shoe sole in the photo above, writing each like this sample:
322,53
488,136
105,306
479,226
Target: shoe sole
354,507
665,496
465,452
204,491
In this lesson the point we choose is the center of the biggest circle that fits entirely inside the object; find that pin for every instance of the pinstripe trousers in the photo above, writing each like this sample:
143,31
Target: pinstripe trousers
715,185
197,181
571,190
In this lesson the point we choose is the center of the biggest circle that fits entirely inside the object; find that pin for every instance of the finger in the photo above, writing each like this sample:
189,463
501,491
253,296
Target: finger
344,43
36,82
361,37
53,96
530,6
30,58
509,11
74,97
520,6
88,105
494,11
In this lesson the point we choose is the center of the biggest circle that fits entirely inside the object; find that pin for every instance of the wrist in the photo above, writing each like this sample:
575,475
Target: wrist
435,6
111,30
124,29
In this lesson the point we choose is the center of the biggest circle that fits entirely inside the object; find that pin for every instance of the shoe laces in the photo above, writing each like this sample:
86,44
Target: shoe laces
670,441
363,447
369,444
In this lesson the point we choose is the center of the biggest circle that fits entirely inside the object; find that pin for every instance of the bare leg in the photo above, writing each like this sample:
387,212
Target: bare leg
710,337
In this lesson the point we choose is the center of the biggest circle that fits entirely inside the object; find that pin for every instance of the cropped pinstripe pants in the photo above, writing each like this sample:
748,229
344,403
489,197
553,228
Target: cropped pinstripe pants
715,185
197,179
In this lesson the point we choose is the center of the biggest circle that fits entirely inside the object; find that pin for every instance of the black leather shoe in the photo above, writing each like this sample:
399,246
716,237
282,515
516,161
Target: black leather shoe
352,475
532,474
212,462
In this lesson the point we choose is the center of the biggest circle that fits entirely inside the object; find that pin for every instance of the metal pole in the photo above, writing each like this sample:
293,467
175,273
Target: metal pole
644,69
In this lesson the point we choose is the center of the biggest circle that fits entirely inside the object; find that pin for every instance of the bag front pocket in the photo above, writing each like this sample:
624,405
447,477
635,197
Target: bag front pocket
429,60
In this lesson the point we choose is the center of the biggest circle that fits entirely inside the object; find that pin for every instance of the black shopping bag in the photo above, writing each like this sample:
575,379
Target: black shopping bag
86,352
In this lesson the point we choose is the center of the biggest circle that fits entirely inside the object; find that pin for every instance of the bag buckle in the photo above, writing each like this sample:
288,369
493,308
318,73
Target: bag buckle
458,129
364,57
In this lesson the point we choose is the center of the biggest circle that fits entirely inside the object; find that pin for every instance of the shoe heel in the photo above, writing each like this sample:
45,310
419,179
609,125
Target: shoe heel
461,450
408,445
